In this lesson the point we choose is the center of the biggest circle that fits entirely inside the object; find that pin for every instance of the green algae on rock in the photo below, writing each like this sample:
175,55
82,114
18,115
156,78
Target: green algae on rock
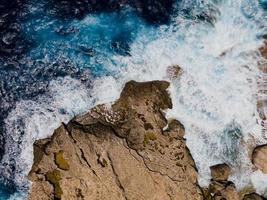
106,154
54,177
60,161
149,136
128,150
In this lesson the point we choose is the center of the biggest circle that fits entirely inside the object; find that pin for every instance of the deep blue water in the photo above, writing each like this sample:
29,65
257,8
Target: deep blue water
4,194
52,43
45,42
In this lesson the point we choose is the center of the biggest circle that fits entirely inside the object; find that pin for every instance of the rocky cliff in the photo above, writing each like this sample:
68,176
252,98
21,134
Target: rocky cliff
127,150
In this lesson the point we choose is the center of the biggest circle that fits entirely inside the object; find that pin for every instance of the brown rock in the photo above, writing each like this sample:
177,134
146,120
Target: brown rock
259,158
220,172
223,190
230,193
118,152
263,50
178,128
216,187
249,189
219,186
253,196
263,67
206,194
261,105
174,72
139,108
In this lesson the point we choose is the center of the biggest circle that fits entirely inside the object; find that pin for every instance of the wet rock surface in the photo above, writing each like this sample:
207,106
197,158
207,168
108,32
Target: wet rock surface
259,158
174,71
219,187
127,150
253,196
220,172
223,190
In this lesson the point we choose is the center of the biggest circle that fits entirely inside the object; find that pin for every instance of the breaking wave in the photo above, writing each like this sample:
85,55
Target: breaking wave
214,42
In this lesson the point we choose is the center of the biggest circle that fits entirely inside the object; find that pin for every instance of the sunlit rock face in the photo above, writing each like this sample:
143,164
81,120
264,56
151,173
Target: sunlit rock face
31,51
69,62
127,150
118,152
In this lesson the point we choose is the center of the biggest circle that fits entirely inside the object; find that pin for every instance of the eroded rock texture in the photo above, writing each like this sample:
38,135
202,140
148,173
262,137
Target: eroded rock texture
125,151
253,196
220,172
220,188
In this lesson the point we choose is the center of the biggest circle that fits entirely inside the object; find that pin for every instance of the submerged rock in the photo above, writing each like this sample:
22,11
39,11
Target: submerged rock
121,151
259,158
174,72
253,196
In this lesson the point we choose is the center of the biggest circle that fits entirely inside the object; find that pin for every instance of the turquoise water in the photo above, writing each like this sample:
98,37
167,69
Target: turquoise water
8,193
89,42
214,97
4,194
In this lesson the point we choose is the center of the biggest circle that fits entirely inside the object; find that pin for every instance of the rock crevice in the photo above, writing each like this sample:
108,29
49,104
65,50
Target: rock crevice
118,152
124,151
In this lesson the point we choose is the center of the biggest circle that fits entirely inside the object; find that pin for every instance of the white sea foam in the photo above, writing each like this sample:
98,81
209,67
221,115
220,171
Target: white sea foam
259,181
32,120
215,98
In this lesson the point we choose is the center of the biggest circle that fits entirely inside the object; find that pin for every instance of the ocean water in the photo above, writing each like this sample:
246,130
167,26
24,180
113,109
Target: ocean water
214,42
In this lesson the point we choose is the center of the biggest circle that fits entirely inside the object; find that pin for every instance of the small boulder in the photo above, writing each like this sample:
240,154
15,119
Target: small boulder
206,193
253,196
228,193
223,190
175,129
259,158
220,172
118,151
174,72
